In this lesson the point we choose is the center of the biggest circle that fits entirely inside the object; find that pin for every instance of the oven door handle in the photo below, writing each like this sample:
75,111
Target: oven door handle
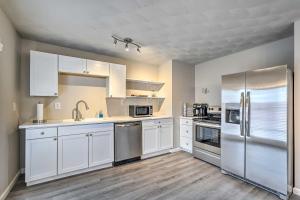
207,125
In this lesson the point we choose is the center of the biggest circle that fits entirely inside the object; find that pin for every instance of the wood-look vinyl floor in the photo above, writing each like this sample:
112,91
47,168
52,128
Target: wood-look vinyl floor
171,176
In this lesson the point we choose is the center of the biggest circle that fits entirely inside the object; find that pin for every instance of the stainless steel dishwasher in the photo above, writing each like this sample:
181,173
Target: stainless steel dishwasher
128,142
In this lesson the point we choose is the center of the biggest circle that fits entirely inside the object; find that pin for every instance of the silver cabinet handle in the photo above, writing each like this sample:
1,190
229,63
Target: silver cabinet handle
87,135
54,139
42,133
248,115
91,134
242,115
55,93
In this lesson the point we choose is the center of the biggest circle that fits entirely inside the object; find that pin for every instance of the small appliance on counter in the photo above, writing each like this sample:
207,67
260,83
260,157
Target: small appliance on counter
187,110
140,110
200,109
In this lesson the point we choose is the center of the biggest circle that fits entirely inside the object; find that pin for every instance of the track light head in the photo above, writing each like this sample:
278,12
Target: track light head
115,42
138,49
126,47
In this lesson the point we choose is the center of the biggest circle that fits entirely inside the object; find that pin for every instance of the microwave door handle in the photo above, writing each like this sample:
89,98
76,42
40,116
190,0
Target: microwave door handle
242,111
248,114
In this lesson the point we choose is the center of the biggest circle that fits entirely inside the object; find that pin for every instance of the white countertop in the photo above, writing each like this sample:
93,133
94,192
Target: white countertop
70,122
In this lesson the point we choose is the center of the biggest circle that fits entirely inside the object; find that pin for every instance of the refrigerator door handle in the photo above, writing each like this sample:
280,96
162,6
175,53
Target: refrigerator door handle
242,108
248,107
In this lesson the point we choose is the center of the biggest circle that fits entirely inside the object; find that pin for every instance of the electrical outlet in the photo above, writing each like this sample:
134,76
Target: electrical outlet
57,106
14,106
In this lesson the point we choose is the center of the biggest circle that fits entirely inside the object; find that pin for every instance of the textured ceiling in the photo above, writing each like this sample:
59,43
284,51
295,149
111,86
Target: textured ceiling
193,31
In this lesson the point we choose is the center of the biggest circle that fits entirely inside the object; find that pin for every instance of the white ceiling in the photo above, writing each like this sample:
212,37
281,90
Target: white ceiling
193,31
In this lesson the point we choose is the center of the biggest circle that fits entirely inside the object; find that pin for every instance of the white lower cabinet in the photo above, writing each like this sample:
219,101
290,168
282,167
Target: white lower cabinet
101,149
166,137
157,135
53,153
41,158
73,153
150,139
186,134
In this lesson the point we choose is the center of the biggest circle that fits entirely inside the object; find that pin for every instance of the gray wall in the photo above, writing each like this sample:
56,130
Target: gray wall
297,107
208,74
9,87
183,91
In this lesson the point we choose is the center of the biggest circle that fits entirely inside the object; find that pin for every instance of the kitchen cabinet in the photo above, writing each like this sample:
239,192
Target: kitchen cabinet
84,146
41,154
43,74
166,137
157,135
186,134
150,139
116,86
73,153
101,148
97,68
56,152
72,65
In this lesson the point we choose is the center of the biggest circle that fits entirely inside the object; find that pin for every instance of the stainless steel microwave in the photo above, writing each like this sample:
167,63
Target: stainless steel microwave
140,111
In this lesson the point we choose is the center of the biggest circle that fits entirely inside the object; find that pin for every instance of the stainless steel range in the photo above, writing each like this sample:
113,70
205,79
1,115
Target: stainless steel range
207,137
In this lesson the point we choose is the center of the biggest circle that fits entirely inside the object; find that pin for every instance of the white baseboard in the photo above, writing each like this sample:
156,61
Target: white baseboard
10,186
296,191
175,150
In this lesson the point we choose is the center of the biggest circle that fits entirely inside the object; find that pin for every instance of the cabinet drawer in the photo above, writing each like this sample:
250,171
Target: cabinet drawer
41,133
186,131
186,144
156,122
184,121
81,129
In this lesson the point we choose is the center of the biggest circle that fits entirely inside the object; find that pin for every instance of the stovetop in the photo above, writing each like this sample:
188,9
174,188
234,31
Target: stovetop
210,118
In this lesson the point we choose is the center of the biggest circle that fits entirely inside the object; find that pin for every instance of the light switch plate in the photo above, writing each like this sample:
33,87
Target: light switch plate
1,46
14,105
57,106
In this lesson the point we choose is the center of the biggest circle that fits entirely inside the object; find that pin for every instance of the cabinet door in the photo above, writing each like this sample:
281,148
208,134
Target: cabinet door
166,136
41,158
43,74
69,64
117,81
72,153
101,148
97,68
150,139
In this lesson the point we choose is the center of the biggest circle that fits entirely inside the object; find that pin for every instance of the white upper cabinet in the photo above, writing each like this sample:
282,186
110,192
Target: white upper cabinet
97,68
43,74
69,64
116,86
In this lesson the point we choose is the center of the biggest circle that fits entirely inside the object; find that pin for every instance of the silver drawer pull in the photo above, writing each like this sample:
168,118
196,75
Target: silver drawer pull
42,133
54,139
91,134
187,131
87,135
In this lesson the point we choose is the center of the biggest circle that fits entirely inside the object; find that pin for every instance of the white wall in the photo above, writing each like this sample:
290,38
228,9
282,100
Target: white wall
9,89
183,91
208,74
297,106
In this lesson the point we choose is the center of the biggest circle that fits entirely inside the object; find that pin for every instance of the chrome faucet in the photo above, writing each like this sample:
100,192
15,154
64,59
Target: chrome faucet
78,115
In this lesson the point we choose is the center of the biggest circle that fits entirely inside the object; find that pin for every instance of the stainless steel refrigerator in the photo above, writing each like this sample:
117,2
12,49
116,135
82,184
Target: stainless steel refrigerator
257,128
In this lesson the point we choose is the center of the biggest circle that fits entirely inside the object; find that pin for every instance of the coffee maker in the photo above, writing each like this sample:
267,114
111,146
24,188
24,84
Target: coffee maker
200,109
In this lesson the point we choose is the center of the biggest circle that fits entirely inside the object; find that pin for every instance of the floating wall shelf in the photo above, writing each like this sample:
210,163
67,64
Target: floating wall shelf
143,85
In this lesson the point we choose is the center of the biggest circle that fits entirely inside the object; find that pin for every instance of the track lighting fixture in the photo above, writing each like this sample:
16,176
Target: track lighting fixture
127,41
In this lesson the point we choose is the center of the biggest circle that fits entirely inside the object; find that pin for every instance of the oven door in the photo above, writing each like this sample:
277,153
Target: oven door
207,137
